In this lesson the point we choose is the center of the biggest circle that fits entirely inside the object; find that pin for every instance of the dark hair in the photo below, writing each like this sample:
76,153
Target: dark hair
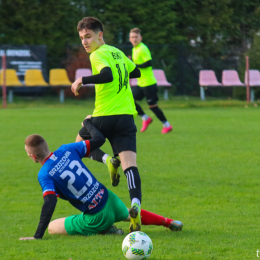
135,30
90,23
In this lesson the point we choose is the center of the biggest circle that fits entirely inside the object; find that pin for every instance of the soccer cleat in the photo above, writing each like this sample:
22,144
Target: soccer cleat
146,123
166,130
135,218
113,231
113,164
175,225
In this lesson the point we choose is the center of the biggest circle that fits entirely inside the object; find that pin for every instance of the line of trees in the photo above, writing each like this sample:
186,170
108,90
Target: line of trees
211,29
211,24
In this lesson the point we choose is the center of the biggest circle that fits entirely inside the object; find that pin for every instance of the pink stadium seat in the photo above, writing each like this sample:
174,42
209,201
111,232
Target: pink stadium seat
161,78
133,82
230,78
207,78
254,81
84,73
254,78
162,82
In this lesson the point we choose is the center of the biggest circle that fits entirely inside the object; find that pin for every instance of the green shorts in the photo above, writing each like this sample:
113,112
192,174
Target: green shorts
91,224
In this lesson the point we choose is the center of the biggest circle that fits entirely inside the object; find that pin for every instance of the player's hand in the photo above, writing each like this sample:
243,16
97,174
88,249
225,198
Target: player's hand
88,117
129,56
26,238
76,86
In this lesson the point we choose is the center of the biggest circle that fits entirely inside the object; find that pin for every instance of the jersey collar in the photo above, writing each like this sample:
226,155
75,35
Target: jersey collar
47,158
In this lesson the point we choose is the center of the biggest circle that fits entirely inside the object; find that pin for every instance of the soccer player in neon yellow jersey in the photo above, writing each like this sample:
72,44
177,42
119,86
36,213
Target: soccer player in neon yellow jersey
146,83
114,105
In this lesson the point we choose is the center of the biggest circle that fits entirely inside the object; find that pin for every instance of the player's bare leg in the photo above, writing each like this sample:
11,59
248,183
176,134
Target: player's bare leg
128,161
57,226
112,163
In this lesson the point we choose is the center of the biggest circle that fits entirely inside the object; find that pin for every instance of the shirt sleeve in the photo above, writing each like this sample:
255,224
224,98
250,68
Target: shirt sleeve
98,61
82,148
130,65
145,54
46,183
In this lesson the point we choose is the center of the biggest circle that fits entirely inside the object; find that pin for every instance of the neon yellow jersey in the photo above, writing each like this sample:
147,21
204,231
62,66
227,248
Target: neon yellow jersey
141,54
113,98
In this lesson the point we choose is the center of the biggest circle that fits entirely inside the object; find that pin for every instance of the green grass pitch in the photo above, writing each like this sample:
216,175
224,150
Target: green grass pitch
205,173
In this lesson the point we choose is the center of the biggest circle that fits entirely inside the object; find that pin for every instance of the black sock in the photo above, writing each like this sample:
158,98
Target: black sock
97,155
159,113
133,182
139,109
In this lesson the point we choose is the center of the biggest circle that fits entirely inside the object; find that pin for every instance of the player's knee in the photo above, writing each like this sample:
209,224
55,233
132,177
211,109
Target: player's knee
152,105
51,229
78,139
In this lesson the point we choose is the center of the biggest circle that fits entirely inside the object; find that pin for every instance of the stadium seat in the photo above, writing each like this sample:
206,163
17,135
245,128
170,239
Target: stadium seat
34,78
84,73
11,81
162,81
207,78
133,82
59,78
254,81
230,78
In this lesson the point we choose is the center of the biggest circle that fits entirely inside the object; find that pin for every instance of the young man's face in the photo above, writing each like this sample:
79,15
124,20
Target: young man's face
135,38
29,153
90,40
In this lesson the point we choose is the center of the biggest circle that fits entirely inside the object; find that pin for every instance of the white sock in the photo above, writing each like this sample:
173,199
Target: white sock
166,124
135,200
145,117
104,158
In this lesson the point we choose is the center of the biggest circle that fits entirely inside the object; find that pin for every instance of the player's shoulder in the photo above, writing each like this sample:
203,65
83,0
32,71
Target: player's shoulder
43,172
143,46
111,50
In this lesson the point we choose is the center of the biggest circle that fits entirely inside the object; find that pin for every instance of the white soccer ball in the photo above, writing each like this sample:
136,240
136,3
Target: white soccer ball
137,245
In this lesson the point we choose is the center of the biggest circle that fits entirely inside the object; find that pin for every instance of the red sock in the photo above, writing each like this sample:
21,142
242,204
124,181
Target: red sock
149,218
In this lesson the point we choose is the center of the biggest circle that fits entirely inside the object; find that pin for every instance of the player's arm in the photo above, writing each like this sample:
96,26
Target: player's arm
136,73
146,58
145,64
46,214
105,76
97,138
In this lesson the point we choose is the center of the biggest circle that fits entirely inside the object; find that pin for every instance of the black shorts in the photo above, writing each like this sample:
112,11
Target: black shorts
150,92
120,130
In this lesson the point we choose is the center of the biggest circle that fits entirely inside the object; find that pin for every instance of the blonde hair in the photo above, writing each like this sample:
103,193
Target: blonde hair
135,30
37,145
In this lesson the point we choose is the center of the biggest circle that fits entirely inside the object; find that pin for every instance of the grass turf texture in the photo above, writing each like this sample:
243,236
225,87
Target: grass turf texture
204,173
